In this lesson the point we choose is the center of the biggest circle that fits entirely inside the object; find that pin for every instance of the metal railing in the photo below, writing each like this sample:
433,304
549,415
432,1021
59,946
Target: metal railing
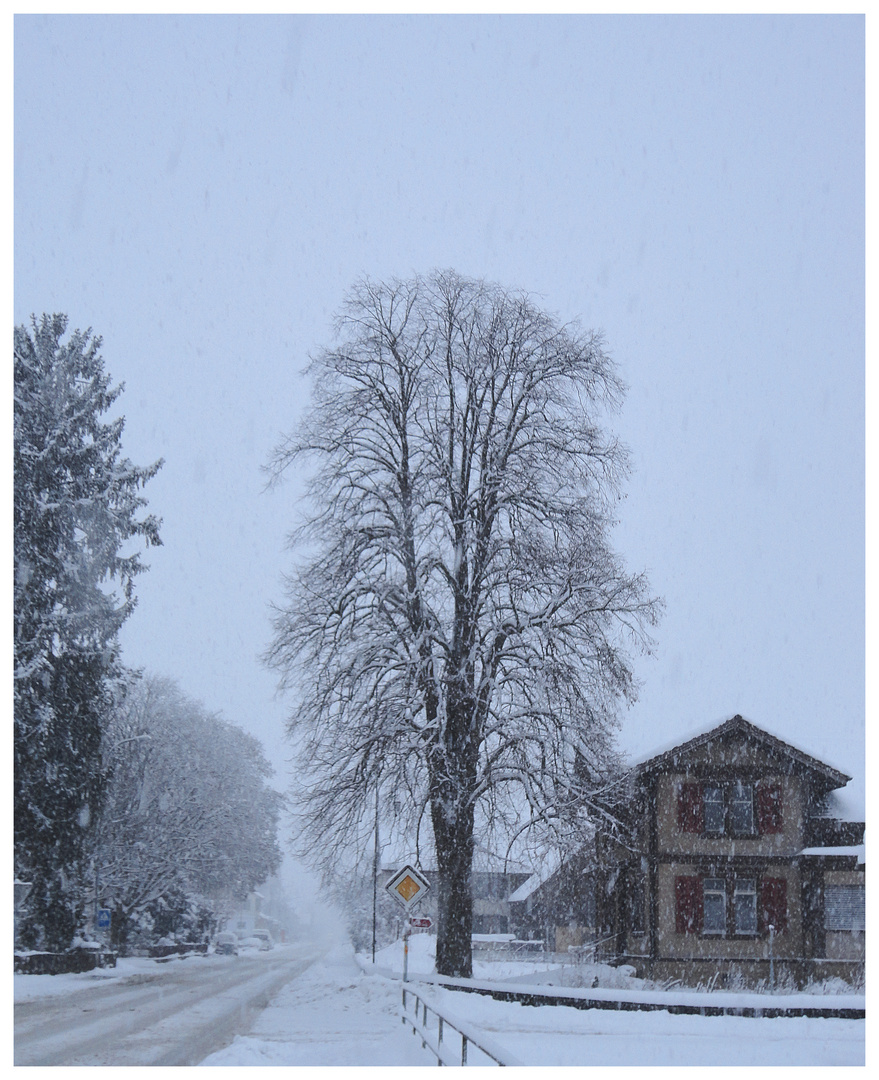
444,1050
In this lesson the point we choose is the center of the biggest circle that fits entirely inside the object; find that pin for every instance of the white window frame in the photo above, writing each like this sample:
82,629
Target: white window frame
741,795
745,889
718,801
713,887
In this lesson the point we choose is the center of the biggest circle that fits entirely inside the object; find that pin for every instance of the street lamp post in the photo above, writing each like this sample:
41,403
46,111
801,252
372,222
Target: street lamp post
375,869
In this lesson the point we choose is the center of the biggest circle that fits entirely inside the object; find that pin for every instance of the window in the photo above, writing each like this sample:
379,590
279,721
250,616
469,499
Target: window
490,924
489,886
714,906
844,907
739,905
730,809
713,811
741,808
745,902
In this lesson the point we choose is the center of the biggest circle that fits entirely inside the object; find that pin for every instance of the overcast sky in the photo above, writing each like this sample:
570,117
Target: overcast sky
202,191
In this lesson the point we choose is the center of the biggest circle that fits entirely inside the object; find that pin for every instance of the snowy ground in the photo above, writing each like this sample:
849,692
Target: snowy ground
333,1014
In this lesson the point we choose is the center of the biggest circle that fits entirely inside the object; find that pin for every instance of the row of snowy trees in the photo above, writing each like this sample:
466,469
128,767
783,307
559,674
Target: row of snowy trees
97,752
187,810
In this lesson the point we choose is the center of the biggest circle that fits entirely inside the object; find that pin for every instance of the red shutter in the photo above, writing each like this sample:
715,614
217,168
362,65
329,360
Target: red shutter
690,818
770,814
688,905
773,903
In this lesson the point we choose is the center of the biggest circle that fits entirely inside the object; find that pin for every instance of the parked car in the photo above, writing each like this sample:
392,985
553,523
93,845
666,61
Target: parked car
265,938
227,944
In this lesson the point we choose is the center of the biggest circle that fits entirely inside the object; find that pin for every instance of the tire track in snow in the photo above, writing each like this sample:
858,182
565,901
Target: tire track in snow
176,1017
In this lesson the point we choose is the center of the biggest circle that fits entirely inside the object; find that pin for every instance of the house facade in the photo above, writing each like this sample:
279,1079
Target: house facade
734,865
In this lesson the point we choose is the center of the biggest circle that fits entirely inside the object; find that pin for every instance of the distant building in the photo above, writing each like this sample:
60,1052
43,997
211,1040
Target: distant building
262,910
558,905
491,891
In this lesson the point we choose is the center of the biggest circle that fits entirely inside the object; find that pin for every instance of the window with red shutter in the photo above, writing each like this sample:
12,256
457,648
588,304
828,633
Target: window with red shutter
770,815
773,904
690,818
688,905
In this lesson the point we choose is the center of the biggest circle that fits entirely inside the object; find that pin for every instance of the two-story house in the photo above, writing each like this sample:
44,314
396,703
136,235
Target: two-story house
734,865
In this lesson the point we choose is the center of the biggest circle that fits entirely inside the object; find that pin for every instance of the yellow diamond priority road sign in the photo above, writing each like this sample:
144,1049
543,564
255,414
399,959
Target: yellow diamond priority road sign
407,886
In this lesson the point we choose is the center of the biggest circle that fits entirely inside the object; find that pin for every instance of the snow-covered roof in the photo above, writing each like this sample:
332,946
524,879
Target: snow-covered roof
854,849
671,744
847,804
739,723
551,864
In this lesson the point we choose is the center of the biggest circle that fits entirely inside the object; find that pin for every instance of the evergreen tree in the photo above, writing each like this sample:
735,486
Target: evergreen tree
77,502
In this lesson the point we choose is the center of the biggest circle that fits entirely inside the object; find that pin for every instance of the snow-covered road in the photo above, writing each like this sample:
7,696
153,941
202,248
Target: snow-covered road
170,1014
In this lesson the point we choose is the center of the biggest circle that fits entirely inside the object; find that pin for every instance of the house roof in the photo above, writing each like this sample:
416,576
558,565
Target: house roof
738,725
549,867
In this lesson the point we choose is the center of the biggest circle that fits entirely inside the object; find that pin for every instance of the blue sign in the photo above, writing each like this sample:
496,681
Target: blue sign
103,918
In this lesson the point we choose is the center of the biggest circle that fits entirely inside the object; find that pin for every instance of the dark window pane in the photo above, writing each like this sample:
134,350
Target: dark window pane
637,896
714,900
741,808
713,809
746,906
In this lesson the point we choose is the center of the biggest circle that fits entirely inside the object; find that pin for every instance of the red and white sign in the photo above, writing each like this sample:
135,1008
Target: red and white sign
422,924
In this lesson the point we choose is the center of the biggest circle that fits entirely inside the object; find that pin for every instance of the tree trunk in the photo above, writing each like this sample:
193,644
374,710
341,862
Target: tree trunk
454,855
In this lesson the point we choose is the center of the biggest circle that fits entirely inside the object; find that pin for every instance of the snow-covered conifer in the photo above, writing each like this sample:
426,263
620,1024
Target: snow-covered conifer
77,504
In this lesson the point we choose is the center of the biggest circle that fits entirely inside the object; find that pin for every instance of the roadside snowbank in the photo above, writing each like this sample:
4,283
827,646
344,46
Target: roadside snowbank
31,987
559,1035
601,982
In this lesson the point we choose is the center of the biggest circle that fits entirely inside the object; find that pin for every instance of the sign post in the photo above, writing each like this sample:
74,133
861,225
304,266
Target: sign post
407,887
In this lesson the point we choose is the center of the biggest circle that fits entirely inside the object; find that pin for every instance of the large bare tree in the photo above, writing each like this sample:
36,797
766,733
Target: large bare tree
458,630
